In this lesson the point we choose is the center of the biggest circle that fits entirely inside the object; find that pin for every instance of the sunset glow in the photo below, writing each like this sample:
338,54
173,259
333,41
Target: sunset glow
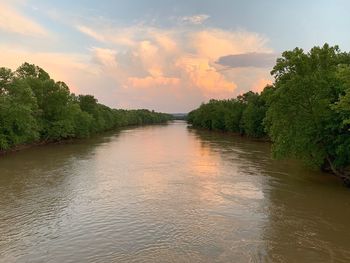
145,61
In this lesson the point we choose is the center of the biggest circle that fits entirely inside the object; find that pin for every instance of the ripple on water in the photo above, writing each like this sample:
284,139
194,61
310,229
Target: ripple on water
167,194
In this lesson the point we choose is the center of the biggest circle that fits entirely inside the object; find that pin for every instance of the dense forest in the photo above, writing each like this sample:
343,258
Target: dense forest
305,112
35,108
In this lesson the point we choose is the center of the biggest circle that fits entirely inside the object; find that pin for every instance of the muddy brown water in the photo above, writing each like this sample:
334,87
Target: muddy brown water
166,193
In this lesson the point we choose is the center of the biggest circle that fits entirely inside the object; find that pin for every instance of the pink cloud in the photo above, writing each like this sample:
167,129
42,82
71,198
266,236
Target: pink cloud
13,21
154,66
259,85
170,70
74,69
150,81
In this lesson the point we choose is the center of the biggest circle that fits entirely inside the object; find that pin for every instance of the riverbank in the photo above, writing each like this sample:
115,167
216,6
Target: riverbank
344,176
21,147
35,109
231,133
304,112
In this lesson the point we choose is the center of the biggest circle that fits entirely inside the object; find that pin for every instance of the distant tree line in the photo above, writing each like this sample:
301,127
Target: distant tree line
33,108
179,116
305,113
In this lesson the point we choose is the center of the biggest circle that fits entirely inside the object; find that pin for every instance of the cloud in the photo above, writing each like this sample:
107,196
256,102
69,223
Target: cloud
13,21
104,56
142,66
252,59
73,69
214,43
248,78
152,81
198,72
88,31
195,19
114,35
261,83
174,68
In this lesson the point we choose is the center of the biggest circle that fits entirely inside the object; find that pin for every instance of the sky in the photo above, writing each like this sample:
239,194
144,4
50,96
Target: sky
164,55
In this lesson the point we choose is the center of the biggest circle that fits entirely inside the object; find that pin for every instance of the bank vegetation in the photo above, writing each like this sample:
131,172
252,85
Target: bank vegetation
305,112
36,109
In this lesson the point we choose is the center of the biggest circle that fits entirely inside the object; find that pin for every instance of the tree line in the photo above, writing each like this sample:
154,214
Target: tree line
35,108
305,112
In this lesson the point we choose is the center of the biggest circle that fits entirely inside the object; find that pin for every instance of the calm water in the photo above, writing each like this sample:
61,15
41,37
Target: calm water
168,194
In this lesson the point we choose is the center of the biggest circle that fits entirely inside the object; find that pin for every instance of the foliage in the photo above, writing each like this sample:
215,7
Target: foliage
33,107
305,113
242,115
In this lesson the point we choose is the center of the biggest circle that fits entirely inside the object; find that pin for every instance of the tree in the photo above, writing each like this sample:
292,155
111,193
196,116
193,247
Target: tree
27,70
300,119
6,77
33,107
253,115
17,122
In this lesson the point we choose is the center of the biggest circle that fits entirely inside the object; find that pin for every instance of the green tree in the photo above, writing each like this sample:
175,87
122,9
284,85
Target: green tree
27,70
300,119
34,107
253,115
17,122
6,77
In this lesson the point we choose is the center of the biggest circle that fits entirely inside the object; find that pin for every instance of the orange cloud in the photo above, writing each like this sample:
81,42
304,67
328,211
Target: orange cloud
166,42
214,43
152,82
177,61
70,68
144,66
205,77
106,58
259,85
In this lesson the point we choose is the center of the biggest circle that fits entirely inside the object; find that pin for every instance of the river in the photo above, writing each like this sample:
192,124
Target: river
167,193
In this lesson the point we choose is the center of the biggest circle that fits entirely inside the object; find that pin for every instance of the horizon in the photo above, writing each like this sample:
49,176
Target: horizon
164,56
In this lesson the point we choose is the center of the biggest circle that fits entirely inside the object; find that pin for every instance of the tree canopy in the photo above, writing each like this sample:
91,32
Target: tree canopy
33,107
305,113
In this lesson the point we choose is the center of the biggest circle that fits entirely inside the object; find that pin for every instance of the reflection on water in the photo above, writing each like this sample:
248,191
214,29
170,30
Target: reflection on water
167,193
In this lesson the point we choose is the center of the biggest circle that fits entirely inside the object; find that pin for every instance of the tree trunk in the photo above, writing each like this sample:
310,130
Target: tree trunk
343,176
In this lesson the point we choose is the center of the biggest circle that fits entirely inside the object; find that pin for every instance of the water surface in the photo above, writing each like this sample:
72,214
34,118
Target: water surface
167,193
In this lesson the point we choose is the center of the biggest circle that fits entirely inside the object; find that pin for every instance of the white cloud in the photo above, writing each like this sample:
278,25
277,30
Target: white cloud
195,19
88,31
